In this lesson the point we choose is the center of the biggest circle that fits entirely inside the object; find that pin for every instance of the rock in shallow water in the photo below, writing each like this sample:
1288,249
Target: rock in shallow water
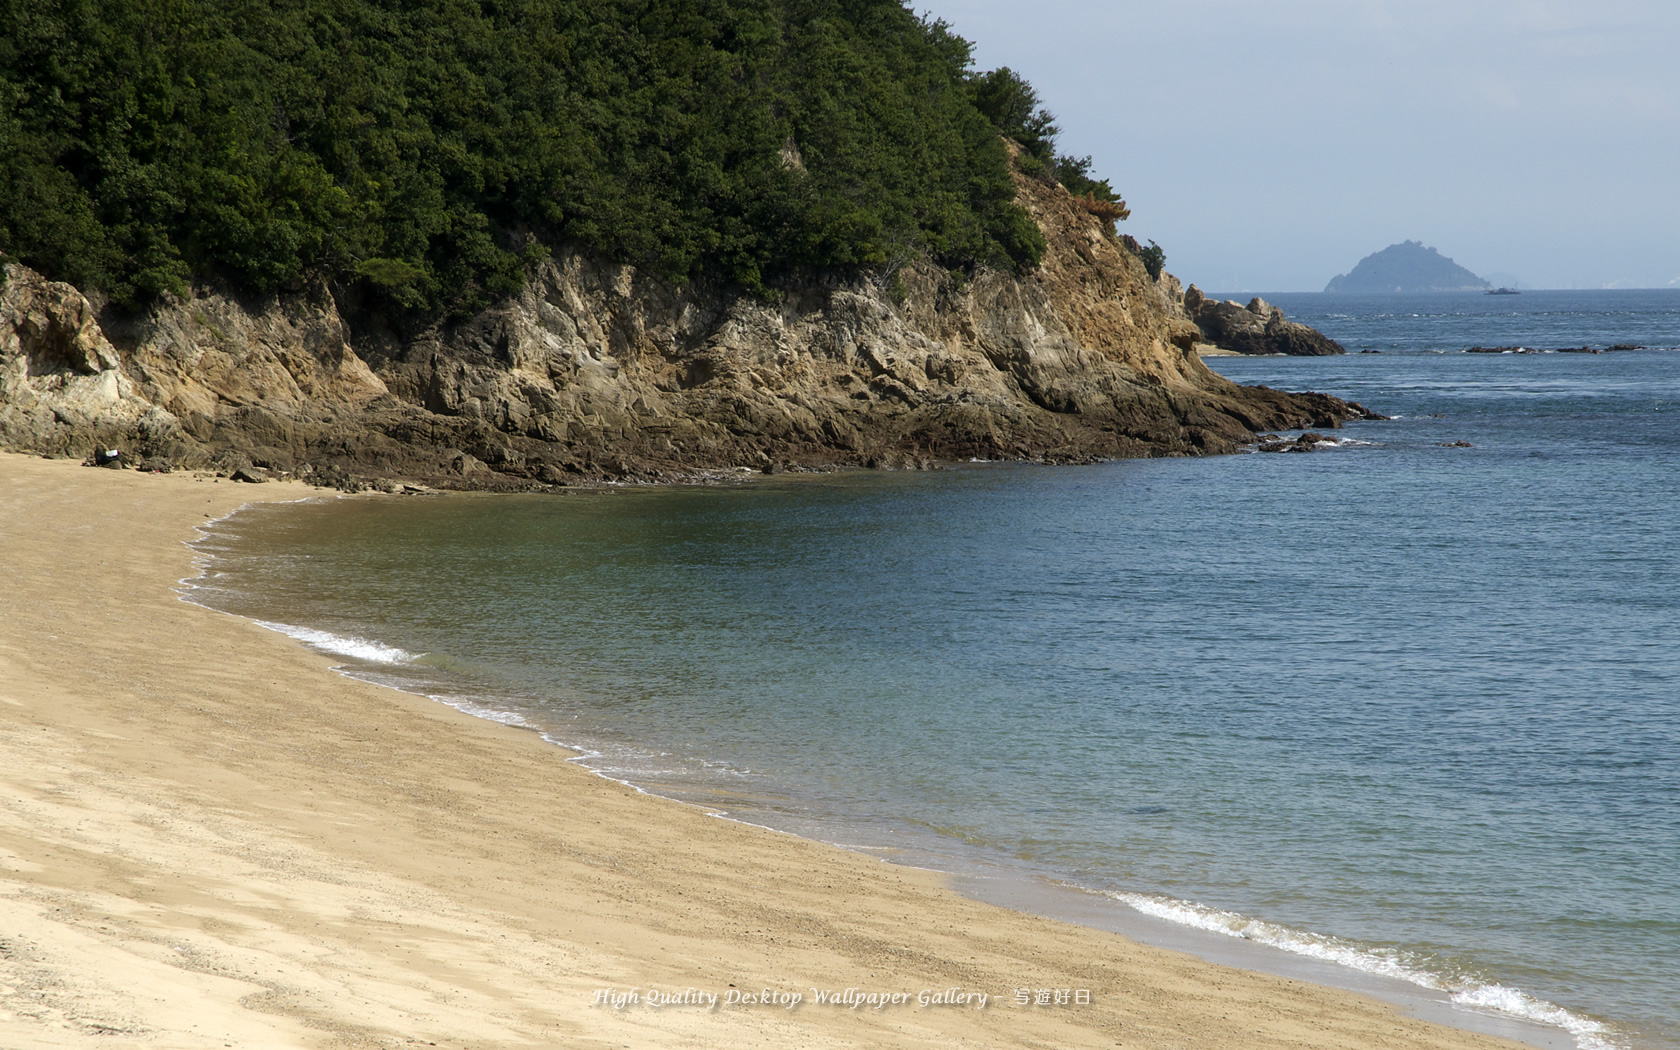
1258,328
1307,442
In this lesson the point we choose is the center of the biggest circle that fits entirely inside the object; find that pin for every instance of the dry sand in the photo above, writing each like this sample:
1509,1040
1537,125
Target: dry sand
209,839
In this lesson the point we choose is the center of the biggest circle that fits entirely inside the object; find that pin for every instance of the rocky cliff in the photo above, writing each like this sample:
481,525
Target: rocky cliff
596,371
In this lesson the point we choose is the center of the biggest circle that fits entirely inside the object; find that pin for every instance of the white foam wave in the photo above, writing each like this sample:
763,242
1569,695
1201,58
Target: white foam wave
473,706
344,645
1317,946
1589,1034
1384,962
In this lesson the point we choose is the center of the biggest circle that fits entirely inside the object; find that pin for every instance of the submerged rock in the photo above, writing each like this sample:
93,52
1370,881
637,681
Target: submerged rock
1307,442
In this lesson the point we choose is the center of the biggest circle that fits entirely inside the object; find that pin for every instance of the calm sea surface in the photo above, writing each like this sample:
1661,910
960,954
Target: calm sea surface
1409,708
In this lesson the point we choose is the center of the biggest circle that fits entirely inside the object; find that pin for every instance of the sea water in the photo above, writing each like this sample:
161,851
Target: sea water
1406,706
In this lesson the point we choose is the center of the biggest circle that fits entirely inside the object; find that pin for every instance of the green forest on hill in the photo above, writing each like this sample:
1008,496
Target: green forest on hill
430,151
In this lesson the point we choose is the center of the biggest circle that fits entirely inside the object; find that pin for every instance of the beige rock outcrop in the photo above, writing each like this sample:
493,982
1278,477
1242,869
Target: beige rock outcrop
597,370
1258,328
62,384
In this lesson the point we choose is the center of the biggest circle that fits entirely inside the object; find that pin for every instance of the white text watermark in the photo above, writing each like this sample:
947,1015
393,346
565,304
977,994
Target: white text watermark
852,998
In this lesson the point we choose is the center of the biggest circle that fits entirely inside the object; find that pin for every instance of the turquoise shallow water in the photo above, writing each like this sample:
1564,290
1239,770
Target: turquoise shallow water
1411,708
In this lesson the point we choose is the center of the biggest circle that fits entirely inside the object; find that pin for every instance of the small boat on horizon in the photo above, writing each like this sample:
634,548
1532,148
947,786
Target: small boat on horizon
1502,291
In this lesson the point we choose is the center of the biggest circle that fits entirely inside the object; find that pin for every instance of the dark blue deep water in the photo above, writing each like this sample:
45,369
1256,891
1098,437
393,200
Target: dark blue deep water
1408,707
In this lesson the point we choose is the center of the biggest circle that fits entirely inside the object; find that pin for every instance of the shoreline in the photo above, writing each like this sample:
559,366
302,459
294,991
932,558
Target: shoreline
208,837
991,879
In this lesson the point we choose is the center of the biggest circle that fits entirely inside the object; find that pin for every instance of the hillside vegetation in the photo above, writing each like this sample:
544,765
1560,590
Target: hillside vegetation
427,154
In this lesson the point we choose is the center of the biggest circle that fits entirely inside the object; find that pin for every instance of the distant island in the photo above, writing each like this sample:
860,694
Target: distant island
1407,267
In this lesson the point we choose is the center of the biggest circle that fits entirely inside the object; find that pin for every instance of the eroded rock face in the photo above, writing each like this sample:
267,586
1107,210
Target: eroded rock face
1258,328
63,388
597,371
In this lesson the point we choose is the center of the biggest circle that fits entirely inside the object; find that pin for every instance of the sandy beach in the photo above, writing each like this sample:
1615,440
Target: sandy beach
209,839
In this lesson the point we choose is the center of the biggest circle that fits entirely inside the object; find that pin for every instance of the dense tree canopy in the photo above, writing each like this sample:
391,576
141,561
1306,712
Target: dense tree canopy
430,150
1012,105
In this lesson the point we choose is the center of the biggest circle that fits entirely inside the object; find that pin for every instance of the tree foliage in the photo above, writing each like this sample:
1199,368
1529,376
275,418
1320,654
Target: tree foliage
428,152
1013,107
1154,260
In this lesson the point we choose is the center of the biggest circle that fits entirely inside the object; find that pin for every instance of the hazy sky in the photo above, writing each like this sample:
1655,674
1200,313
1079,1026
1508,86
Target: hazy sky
1269,146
